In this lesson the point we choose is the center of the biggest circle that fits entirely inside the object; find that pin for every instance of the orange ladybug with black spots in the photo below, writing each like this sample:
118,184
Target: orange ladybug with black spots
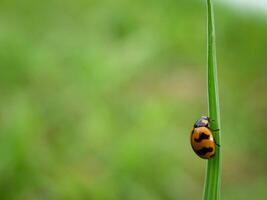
202,140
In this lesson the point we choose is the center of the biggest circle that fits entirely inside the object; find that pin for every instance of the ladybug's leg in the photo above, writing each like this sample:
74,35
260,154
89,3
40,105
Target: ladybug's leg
215,130
217,144
211,120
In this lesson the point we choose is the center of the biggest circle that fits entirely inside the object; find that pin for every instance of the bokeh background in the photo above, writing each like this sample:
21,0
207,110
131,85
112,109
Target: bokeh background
98,98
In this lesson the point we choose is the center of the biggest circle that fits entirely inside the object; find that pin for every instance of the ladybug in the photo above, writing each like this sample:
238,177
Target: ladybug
202,140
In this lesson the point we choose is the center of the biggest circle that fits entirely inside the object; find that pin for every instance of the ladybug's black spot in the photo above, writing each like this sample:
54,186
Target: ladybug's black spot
204,150
202,136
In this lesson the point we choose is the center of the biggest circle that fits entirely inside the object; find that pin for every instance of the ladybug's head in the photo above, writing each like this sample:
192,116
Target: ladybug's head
202,122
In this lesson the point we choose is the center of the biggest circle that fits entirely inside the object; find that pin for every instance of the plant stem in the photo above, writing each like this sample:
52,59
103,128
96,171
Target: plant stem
213,169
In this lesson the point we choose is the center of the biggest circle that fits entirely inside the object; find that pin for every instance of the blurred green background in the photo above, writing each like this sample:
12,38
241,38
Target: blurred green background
98,99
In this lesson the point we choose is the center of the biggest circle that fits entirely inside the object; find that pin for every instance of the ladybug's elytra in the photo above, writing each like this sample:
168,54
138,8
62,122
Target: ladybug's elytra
202,140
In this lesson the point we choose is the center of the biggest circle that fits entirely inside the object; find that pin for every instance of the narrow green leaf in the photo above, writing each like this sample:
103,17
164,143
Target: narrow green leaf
213,169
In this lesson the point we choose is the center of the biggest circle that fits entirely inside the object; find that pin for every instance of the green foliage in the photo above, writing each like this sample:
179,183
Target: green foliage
213,173
98,97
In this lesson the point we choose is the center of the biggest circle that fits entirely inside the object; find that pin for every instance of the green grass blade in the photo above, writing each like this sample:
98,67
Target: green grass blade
213,170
